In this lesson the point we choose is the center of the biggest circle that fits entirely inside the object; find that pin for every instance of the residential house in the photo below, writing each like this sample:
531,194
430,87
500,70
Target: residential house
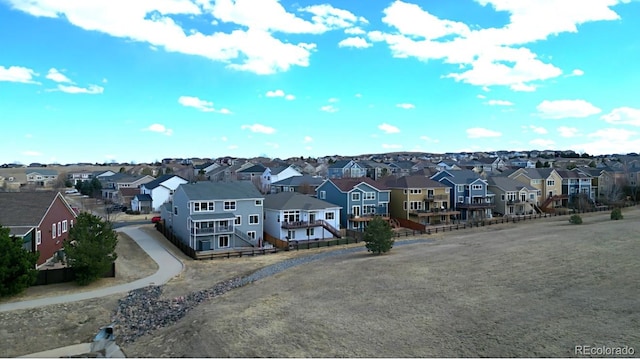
545,180
217,215
112,186
41,177
523,163
375,170
447,165
42,220
491,164
577,186
142,203
80,176
469,193
401,168
292,216
251,173
360,198
275,174
512,197
345,169
204,168
160,190
304,184
419,199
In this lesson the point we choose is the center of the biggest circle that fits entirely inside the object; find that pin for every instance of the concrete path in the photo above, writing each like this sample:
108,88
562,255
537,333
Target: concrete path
168,267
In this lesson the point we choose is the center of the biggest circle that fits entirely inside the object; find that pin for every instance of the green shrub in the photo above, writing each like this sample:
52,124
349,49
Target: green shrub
575,219
616,214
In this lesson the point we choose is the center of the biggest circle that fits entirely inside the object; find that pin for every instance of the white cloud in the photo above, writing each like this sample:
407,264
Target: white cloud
354,31
258,128
273,144
577,72
329,108
252,46
536,129
159,128
275,93
411,20
17,74
232,147
224,139
610,140
91,89
333,100
566,109
429,139
308,139
202,105
358,95
357,42
406,106
57,76
480,96
623,116
499,103
567,132
542,143
387,146
478,132
289,97
520,87
387,128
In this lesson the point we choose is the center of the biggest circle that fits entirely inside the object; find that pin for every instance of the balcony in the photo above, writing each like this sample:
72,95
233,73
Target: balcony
367,217
212,230
301,224
436,197
474,205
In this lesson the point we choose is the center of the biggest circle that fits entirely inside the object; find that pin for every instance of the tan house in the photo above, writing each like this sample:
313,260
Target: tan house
419,199
545,180
512,197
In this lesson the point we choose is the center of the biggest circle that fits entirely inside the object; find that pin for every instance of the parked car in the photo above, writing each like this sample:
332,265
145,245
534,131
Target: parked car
156,219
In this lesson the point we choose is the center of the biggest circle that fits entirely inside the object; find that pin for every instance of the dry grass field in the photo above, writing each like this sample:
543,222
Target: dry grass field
535,288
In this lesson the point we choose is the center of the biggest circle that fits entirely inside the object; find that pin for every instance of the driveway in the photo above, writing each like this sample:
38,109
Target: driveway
168,267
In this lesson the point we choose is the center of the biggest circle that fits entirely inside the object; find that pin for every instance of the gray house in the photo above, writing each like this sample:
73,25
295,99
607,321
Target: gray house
217,215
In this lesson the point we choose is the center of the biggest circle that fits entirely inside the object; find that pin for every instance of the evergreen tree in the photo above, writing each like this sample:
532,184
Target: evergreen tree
17,265
90,248
378,236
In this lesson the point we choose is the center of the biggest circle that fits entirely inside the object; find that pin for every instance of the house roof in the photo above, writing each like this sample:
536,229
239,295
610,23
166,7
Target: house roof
347,184
463,176
24,208
565,174
300,180
405,165
278,169
144,197
203,165
295,200
508,184
129,192
42,171
220,190
158,181
414,181
340,164
254,169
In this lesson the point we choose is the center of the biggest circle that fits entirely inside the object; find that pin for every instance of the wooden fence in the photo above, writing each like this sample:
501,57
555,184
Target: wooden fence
64,275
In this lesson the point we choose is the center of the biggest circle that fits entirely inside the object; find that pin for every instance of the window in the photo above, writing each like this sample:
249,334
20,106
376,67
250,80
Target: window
310,232
415,191
329,216
53,231
254,219
532,196
415,205
64,226
38,237
369,196
460,199
229,205
291,216
71,224
204,206
460,188
238,220
59,229
404,205
251,234
223,242
369,209
551,183
476,187
258,202
323,194
355,196
502,197
291,235
175,210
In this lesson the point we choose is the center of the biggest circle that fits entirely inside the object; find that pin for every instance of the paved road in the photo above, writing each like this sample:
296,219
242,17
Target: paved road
168,267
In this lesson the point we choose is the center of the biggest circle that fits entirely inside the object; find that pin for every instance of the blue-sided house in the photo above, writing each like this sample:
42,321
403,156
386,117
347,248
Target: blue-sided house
469,193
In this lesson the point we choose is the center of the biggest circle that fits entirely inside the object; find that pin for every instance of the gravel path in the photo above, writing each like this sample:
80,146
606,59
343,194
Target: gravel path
143,310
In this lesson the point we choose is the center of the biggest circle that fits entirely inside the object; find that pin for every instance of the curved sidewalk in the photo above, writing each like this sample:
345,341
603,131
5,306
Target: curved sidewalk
168,267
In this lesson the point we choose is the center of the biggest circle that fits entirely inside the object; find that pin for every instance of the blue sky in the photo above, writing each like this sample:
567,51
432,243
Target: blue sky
115,80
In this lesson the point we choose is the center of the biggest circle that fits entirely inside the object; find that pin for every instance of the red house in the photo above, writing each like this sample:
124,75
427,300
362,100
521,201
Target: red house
41,219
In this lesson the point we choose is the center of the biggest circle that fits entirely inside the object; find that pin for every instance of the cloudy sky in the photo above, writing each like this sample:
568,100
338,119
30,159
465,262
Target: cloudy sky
115,80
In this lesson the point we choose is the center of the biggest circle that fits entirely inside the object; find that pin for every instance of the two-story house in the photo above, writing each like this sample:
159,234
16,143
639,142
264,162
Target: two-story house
545,180
360,198
292,216
41,177
512,197
41,219
468,193
346,169
160,190
305,184
275,174
217,215
113,186
578,187
419,199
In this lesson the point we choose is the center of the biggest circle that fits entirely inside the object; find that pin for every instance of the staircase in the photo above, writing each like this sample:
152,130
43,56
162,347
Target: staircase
537,209
243,236
548,201
331,229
